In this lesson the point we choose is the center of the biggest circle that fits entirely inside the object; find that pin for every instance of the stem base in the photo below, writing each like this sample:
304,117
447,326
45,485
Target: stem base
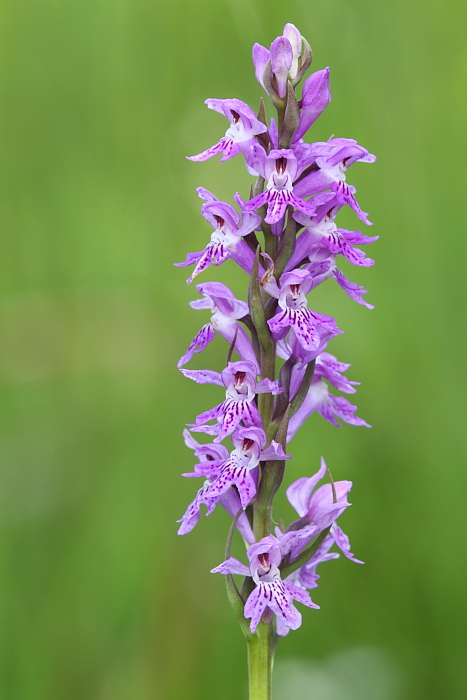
260,662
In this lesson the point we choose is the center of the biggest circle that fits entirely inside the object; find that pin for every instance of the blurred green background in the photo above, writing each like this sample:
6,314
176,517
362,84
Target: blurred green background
100,600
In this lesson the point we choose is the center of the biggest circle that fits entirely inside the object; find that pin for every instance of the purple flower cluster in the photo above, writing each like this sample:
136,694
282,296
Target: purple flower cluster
298,191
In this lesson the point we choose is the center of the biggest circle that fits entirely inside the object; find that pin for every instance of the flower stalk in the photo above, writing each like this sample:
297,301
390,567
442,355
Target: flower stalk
260,662
286,239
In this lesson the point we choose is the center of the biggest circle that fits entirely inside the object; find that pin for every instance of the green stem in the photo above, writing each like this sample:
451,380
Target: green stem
260,662
262,513
261,644
266,401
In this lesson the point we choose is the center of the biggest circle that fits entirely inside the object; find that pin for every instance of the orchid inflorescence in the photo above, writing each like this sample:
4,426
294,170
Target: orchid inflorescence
299,189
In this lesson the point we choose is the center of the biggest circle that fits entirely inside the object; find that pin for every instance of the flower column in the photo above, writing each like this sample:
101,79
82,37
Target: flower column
299,189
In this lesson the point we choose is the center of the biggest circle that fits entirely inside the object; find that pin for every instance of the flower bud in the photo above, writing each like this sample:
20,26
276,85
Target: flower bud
293,35
260,59
315,98
281,62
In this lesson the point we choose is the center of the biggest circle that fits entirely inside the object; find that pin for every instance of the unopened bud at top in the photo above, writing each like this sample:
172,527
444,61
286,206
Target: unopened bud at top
293,35
286,59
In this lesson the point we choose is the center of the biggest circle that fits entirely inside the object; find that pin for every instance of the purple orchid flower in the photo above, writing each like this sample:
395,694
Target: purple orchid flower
244,126
211,454
321,249
321,239
239,379
271,593
280,169
240,467
226,311
295,313
320,508
326,367
321,270
328,406
331,159
227,240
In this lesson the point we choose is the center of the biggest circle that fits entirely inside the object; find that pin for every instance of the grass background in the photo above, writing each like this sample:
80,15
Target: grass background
101,100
